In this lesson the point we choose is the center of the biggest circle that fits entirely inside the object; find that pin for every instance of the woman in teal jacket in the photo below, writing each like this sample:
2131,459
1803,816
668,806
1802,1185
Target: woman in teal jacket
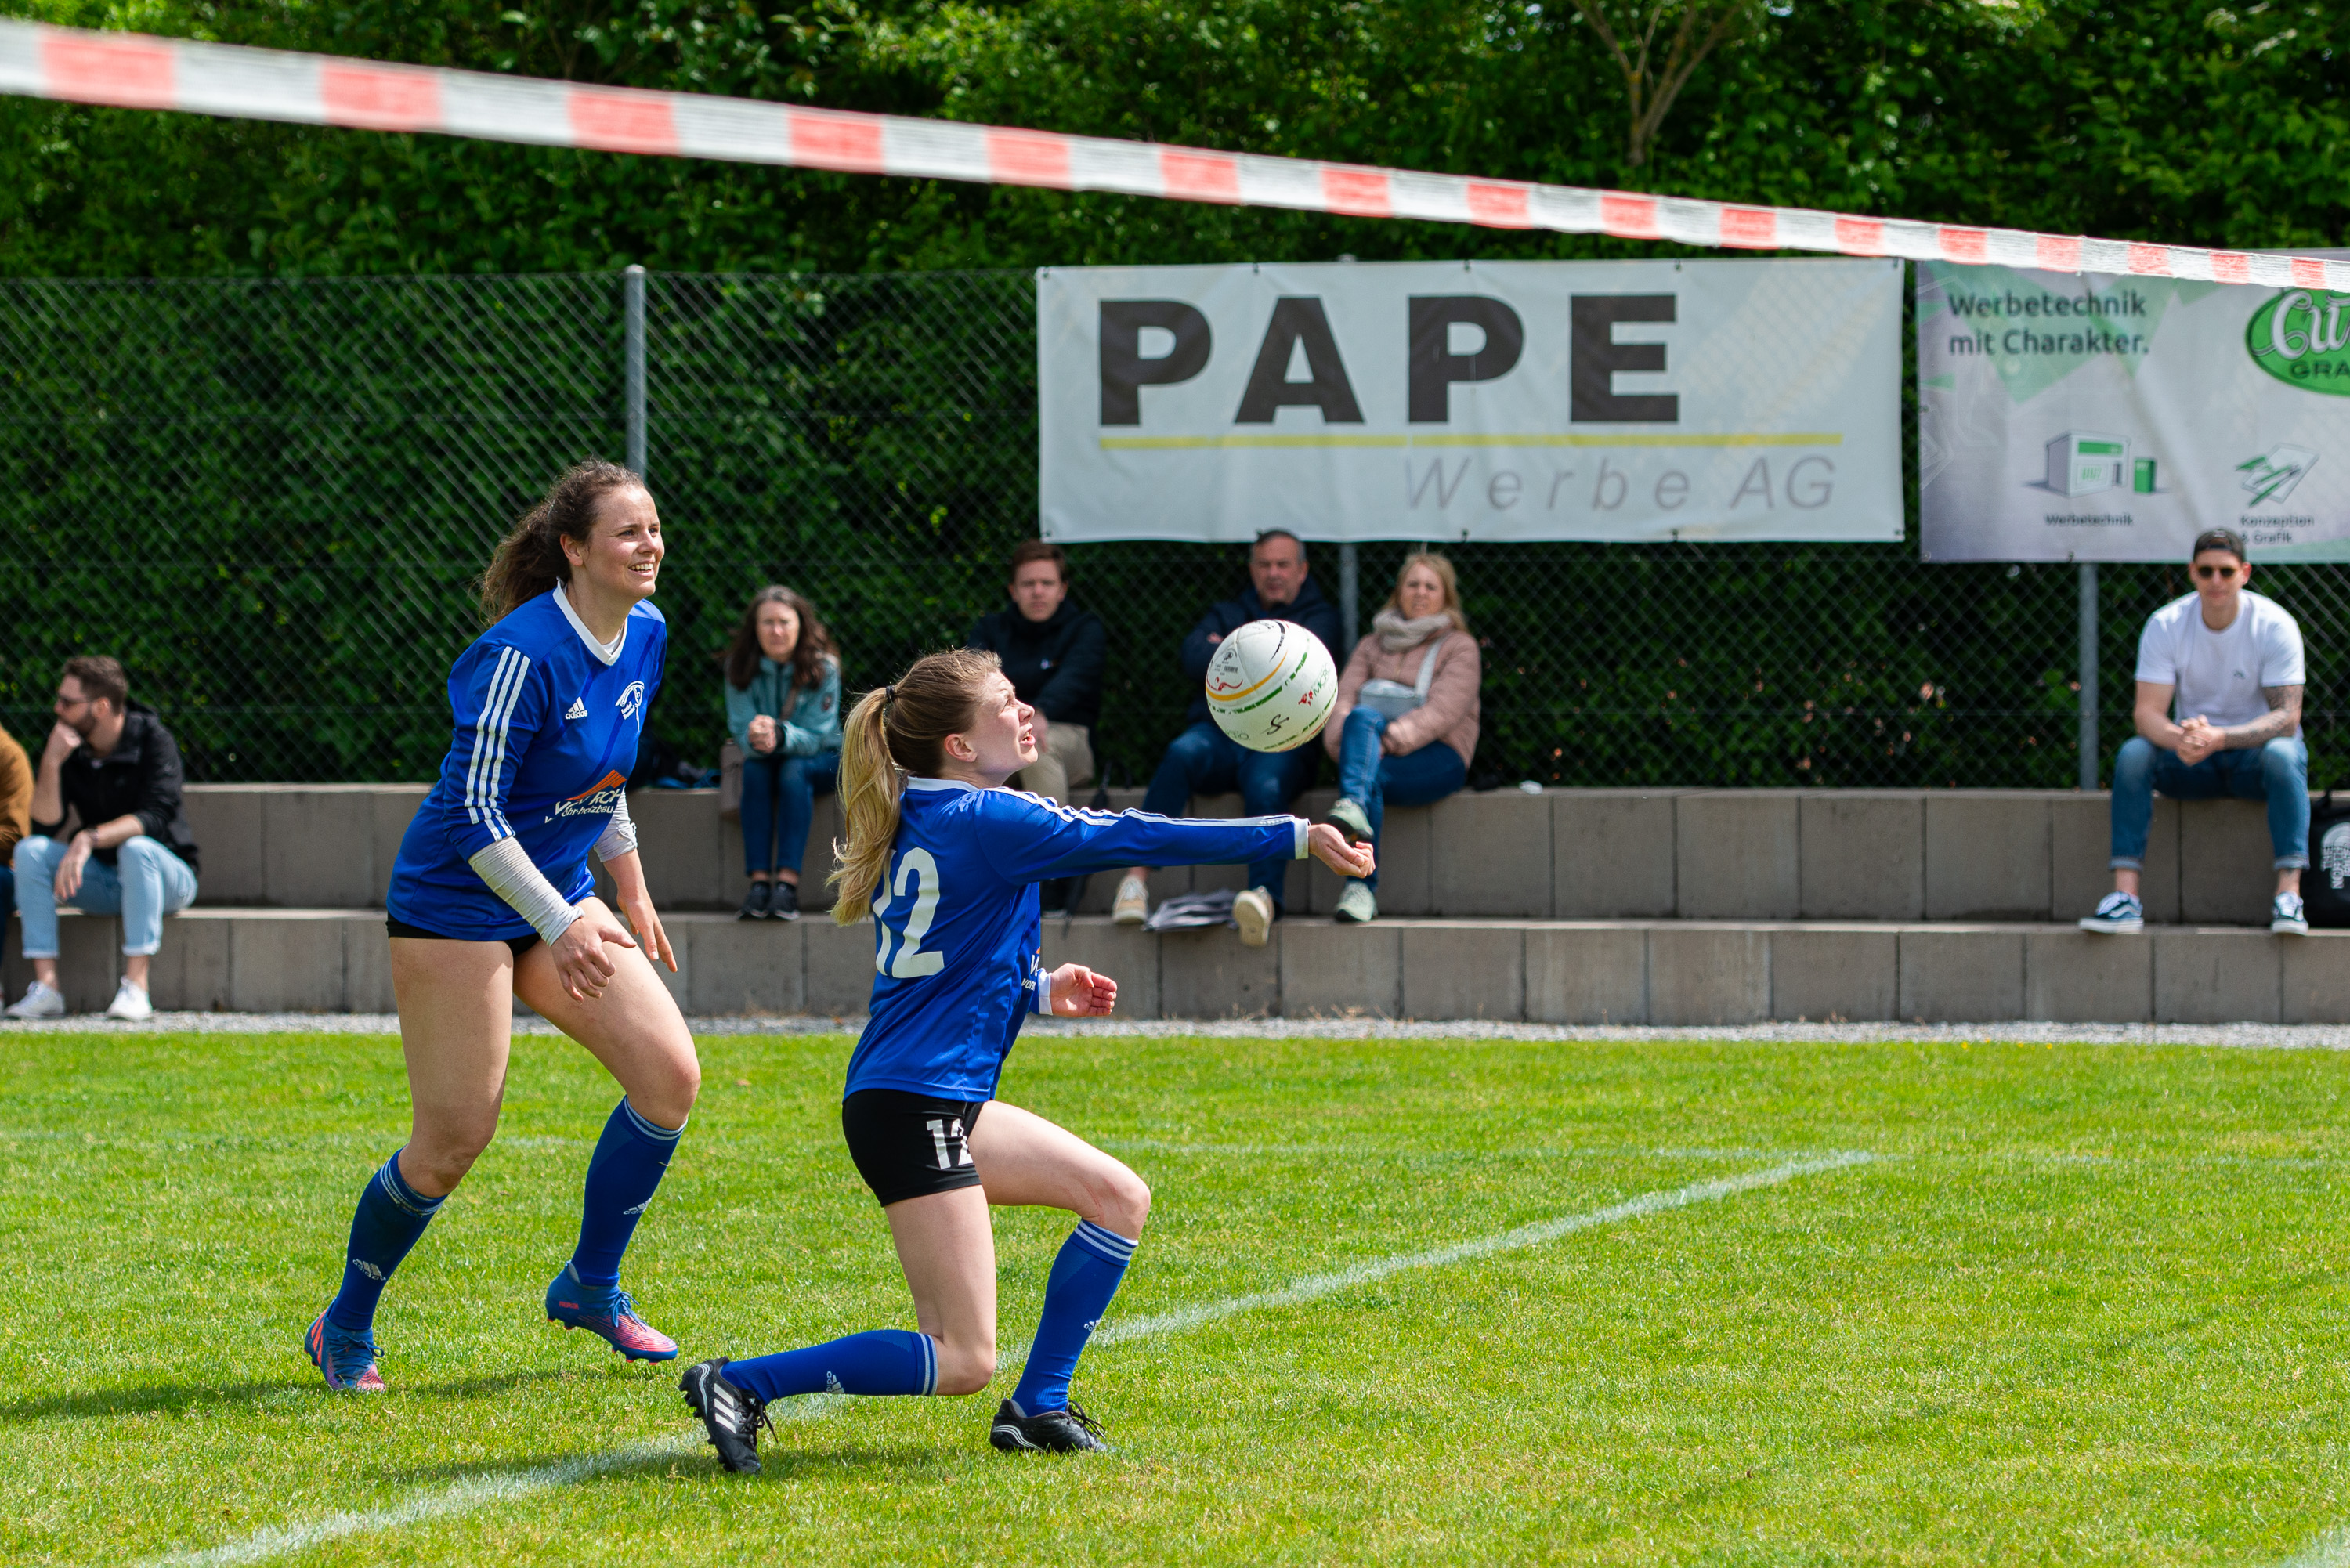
783,706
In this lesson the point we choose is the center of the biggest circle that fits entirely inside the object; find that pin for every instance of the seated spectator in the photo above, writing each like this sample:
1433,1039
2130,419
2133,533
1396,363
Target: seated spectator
1405,725
1054,654
2230,662
110,762
783,706
1204,760
15,817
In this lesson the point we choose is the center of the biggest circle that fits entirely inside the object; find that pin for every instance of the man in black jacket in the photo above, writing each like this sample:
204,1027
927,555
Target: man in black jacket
110,762
1204,760
1054,654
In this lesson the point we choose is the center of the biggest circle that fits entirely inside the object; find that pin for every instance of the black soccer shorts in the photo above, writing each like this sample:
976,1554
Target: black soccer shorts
910,1145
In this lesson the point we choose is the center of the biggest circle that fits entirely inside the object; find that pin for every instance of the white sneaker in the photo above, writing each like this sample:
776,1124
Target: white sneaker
2118,914
1252,912
2286,916
40,1002
1133,904
130,1002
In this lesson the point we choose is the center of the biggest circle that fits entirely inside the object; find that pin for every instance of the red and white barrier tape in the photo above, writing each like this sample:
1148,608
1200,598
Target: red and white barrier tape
134,71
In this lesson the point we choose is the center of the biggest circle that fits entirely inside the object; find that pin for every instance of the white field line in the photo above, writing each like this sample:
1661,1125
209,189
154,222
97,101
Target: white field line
1315,1287
462,1497
459,1497
2331,1550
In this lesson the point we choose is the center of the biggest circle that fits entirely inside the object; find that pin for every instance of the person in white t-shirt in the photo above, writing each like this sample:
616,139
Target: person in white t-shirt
2228,663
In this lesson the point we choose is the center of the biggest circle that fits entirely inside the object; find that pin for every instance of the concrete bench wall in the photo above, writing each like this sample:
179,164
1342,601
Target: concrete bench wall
1733,854
1588,972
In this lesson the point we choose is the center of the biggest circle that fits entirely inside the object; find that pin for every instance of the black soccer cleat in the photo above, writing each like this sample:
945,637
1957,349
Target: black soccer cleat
732,1415
1069,1431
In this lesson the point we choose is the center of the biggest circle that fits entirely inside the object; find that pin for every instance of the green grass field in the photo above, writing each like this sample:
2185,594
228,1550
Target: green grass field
2082,1305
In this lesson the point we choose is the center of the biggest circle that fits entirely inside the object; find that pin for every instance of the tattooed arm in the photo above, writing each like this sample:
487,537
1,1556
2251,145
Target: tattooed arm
2280,721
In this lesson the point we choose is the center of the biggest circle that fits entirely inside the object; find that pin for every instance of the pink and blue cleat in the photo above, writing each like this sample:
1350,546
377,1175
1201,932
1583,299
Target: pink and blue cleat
346,1360
609,1313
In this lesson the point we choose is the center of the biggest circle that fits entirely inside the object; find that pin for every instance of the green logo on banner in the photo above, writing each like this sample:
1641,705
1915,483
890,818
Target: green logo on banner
2303,338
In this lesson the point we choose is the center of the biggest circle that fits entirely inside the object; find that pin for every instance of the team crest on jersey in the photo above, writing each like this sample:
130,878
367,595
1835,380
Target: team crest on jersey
632,698
599,799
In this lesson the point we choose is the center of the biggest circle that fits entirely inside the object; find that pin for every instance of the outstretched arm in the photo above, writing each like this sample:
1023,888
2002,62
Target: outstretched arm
1027,840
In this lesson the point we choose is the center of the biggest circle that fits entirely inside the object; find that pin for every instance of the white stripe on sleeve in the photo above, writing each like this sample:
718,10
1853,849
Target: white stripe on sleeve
489,739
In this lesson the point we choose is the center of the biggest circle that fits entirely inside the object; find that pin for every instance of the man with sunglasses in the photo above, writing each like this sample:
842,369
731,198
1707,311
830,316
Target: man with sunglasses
2229,661
111,766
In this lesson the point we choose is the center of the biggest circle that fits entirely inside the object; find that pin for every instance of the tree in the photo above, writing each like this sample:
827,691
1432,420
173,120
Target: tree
1698,27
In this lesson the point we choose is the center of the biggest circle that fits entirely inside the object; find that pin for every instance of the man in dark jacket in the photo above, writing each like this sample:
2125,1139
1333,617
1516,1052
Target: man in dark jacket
1054,654
113,765
1204,760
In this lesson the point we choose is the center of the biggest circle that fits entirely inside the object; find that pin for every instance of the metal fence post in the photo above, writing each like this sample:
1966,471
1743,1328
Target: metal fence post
2089,756
632,296
1350,584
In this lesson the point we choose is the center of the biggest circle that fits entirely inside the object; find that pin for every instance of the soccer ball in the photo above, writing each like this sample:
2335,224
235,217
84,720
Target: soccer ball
1271,685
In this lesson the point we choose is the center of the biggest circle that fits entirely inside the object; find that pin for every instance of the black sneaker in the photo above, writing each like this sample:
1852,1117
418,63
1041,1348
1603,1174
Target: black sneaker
732,1415
1069,1431
783,903
755,905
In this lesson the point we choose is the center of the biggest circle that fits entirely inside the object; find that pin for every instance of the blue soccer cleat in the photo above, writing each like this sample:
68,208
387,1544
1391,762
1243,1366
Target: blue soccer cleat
345,1359
609,1314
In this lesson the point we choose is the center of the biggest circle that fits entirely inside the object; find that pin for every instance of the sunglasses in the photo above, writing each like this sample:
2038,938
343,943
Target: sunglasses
2222,573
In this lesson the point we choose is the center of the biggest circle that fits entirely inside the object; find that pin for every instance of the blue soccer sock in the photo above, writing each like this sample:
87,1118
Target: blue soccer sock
885,1361
392,1215
622,1173
1078,1293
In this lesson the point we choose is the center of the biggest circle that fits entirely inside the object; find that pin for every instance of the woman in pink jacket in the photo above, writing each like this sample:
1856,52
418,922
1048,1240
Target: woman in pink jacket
1405,721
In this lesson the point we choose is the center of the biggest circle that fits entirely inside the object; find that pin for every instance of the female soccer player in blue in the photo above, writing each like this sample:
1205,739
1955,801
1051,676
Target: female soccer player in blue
492,899
948,862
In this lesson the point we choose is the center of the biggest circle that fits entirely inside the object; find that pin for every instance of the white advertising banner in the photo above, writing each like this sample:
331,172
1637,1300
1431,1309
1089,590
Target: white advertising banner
2071,418
1493,402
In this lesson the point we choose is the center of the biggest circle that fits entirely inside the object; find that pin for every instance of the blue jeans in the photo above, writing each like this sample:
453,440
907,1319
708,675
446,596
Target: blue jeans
146,883
1370,778
7,896
2278,773
1204,760
778,803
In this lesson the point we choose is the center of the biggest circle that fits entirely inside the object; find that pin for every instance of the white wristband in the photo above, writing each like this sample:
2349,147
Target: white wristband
1303,827
506,867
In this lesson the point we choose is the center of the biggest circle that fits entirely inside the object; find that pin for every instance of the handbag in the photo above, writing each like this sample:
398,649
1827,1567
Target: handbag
1393,699
2326,886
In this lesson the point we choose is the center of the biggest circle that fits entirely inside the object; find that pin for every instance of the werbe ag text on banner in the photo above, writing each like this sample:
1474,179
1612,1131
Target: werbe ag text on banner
1491,401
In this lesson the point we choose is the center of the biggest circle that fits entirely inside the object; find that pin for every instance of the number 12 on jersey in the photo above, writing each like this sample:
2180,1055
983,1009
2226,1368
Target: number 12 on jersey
911,921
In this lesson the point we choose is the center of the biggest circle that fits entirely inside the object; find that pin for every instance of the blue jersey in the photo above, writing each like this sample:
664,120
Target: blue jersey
958,934
547,731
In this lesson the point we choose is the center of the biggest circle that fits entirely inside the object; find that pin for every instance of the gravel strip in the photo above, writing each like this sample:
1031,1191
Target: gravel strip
2265,1036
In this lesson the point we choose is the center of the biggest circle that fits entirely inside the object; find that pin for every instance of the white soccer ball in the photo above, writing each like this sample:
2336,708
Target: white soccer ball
1271,685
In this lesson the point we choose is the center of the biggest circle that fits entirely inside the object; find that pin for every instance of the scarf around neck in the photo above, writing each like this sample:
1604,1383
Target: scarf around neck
1397,634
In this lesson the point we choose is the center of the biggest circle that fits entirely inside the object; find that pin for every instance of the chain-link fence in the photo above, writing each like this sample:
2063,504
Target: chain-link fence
268,497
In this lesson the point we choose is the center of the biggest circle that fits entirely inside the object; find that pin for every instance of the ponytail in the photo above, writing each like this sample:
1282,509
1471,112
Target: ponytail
898,730
530,558
869,786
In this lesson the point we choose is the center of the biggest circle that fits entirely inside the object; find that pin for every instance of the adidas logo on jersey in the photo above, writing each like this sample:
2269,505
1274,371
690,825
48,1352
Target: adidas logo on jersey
578,710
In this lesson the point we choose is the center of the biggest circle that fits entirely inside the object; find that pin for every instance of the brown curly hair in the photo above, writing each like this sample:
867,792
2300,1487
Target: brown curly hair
530,558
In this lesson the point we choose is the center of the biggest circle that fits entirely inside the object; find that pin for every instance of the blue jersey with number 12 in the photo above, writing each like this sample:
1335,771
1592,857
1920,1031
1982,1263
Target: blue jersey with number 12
957,928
